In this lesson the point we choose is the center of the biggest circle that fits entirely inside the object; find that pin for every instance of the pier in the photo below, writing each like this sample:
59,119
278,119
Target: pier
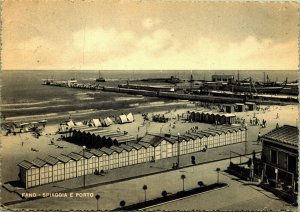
163,92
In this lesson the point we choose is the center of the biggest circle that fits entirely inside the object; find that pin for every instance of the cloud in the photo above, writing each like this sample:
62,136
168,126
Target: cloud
112,49
149,23
157,43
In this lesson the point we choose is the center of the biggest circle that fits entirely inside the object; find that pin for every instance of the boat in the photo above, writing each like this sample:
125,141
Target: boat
100,78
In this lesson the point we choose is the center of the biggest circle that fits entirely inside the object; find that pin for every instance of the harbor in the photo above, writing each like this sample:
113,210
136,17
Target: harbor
215,91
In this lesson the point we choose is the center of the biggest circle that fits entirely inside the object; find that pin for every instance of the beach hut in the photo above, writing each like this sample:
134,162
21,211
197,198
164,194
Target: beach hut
240,107
219,137
80,163
209,140
132,154
229,118
140,151
196,140
58,168
228,108
155,141
91,163
130,117
123,155
100,155
198,116
79,123
170,143
45,170
149,151
251,106
113,157
192,141
69,164
29,174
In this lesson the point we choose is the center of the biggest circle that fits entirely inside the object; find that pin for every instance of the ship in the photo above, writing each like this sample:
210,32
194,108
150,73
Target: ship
100,78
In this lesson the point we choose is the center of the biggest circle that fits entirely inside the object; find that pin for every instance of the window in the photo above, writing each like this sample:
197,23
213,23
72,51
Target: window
33,177
80,167
274,156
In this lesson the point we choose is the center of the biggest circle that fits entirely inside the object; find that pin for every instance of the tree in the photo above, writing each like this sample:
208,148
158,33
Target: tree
122,203
200,183
218,171
164,193
183,178
193,159
97,198
145,187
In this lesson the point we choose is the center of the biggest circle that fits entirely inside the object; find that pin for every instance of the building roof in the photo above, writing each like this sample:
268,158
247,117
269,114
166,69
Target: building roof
286,134
144,144
38,162
87,154
63,158
117,149
126,147
75,156
107,151
134,145
51,160
154,140
25,164
96,152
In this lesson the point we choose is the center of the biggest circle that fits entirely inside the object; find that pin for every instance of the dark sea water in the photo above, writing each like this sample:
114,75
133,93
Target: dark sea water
23,94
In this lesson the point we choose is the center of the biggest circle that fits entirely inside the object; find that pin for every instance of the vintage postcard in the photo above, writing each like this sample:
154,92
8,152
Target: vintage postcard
149,105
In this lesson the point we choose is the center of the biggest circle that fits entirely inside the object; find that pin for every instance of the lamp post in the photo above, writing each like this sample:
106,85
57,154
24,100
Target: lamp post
97,198
83,151
178,150
218,171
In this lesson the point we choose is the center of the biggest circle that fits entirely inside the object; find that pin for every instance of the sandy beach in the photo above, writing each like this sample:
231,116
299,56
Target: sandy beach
16,148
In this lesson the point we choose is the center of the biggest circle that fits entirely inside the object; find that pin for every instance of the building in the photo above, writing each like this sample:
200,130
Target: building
280,158
149,148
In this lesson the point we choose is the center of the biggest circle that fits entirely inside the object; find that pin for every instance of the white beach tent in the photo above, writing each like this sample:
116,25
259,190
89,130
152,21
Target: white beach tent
70,123
122,119
130,117
108,121
96,123
79,123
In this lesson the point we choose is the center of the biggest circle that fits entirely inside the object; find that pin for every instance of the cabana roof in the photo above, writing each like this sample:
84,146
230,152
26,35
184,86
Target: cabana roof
126,147
86,154
117,149
38,162
51,160
107,151
63,158
26,164
135,145
144,144
96,152
75,156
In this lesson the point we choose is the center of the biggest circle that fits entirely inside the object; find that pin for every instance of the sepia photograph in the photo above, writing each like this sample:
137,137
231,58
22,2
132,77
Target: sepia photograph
131,105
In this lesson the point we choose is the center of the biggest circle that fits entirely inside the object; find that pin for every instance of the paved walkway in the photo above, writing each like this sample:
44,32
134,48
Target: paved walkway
134,171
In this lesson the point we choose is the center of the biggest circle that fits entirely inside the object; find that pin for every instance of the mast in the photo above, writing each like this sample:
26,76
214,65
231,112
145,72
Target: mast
264,78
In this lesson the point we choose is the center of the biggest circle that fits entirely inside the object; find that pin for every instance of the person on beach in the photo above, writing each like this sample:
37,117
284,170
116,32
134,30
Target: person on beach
258,138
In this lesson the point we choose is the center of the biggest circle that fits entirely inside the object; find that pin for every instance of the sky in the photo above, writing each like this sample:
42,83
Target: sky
134,35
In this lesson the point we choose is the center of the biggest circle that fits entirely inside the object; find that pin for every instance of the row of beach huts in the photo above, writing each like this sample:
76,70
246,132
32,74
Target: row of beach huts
149,148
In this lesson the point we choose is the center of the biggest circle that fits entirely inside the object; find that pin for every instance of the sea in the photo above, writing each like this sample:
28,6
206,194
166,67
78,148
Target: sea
22,92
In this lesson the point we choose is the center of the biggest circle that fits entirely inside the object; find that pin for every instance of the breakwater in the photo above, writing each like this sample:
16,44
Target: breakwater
211,98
